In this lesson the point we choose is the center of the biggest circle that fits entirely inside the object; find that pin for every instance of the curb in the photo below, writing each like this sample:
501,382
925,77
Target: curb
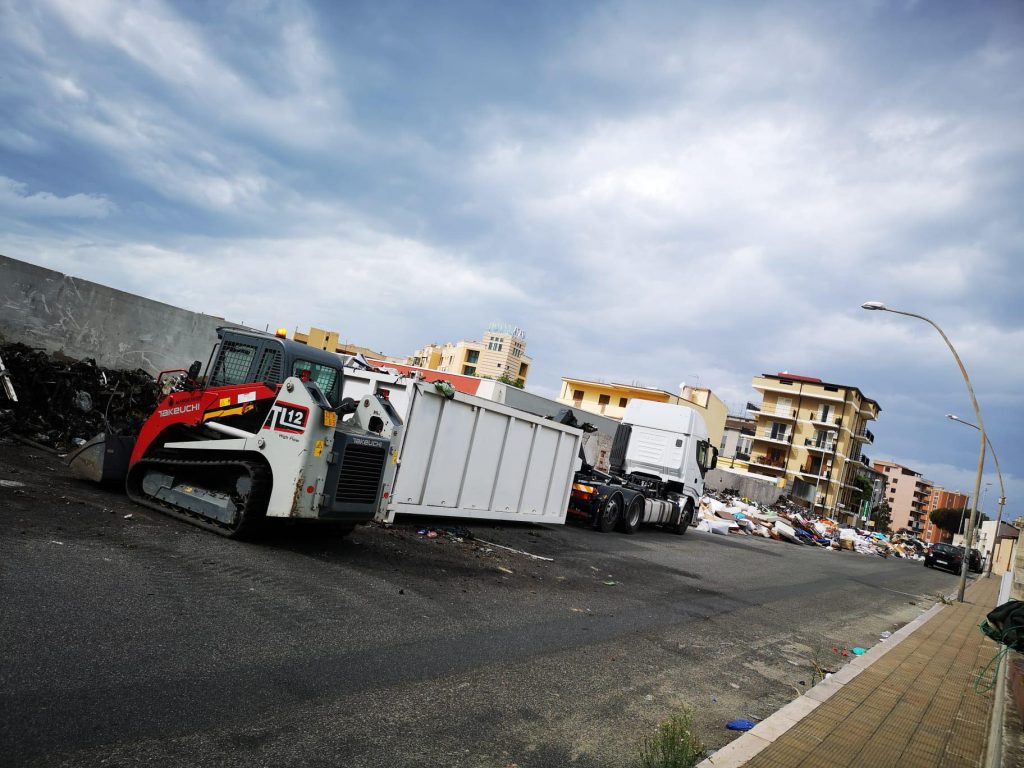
739,751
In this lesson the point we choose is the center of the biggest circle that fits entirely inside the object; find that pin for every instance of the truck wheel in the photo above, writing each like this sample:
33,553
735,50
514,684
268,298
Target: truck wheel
684,519
634,515
608,516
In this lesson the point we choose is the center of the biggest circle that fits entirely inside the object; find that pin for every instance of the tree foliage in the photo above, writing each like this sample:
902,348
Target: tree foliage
947,519
882,516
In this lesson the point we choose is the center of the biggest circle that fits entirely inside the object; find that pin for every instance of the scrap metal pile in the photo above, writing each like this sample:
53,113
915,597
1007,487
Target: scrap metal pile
785,521
62,403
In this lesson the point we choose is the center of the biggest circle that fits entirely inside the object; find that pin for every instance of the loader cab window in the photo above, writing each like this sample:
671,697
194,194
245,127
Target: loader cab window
324,376
270,367
233,363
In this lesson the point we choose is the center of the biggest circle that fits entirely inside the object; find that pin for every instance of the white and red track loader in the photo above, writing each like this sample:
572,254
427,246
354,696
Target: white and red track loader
264,435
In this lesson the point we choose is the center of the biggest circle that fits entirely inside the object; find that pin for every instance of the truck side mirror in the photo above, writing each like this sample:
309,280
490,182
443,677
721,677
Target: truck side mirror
714,458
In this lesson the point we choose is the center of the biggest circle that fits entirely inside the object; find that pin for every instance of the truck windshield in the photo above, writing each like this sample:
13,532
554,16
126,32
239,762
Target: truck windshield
324,376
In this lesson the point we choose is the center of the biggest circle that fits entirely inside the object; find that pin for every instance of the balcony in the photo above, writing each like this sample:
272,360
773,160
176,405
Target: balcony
865,435
777,411
768,461
829,422
774,436
815,473
828,446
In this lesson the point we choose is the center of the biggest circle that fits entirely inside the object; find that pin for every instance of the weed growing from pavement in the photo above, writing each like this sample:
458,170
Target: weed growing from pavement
672,745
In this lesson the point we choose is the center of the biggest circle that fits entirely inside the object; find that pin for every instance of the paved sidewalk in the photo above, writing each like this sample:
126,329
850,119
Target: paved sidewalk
910,704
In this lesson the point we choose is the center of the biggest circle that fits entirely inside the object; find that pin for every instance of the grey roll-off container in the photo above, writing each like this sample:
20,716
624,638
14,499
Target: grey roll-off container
463,456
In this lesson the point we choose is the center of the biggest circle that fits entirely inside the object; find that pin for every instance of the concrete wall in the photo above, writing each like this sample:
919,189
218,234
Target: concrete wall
80,319
756,488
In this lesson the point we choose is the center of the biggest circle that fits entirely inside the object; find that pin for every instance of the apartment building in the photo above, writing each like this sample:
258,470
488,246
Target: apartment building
611,399
908,495
501,352
810,433
738,438
940,498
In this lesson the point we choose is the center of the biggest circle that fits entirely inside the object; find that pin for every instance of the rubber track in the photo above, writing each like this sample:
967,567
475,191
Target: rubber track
252,512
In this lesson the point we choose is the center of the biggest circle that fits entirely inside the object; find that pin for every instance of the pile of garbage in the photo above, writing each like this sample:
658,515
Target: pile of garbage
61,403
785,521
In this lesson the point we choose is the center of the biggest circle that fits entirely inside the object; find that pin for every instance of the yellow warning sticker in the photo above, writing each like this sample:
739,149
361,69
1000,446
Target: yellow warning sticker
225,401
318,448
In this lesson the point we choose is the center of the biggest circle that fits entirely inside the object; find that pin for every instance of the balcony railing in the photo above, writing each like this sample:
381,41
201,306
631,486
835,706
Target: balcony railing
866,435
777,410
820,445
775,436
816,417
826,475
767,461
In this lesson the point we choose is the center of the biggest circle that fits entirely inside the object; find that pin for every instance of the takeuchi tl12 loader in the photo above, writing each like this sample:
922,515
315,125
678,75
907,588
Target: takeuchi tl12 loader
265,435
660,454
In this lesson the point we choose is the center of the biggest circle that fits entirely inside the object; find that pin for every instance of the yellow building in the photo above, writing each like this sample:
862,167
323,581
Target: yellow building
501,353
329,341
809,433
610,399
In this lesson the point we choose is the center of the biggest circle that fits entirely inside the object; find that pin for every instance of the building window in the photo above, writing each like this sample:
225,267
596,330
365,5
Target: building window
622,402
602,402
577,397
472,356
469,370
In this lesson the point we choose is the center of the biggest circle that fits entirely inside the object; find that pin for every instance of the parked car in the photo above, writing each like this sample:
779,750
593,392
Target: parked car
945,556
975,562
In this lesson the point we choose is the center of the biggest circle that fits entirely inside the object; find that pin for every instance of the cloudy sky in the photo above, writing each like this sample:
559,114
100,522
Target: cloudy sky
656,192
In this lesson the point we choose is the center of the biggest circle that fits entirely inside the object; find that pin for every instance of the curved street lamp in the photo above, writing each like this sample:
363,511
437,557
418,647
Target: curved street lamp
1002,488
878,306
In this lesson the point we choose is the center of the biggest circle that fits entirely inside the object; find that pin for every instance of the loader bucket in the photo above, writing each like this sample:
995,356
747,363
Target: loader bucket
103,459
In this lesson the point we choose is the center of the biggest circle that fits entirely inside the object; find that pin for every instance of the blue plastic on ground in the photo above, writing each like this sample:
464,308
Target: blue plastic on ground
739,725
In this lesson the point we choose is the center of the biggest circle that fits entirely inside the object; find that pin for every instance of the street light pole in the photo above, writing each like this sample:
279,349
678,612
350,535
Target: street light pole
1002,488
969,539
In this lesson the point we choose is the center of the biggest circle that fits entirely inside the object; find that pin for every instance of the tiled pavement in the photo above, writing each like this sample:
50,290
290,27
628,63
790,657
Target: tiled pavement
914,707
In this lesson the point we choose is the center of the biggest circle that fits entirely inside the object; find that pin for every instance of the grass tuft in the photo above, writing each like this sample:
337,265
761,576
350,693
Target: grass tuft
672,745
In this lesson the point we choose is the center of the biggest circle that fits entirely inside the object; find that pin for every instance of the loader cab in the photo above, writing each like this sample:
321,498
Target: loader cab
243,357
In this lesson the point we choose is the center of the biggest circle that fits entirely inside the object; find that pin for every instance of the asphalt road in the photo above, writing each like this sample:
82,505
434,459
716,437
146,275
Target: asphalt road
147,641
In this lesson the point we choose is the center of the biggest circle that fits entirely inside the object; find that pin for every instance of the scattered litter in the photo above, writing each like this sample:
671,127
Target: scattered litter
503,569
609,583
858,651
431,534
885,635
739,725
128,516
727,513
733,685
518,551
11,484
421,532
54,541
648,697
